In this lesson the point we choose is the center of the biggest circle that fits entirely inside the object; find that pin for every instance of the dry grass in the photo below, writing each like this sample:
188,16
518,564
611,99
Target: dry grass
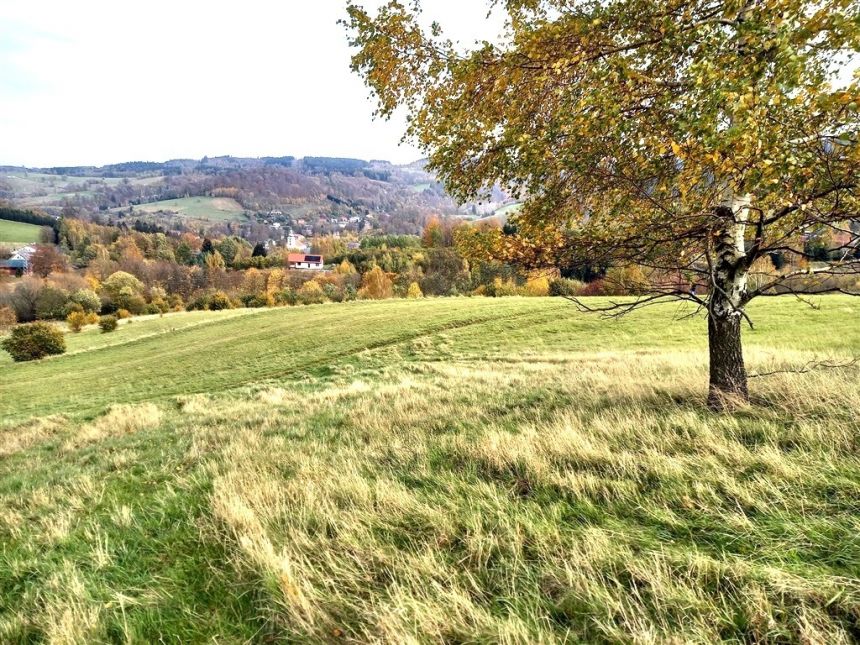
446,489
119,420
626,515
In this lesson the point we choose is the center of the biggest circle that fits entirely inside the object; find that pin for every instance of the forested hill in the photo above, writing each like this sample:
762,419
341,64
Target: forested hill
315,195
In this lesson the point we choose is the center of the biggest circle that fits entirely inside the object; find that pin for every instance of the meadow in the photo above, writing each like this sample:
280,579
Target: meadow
212,209
450,470
18,232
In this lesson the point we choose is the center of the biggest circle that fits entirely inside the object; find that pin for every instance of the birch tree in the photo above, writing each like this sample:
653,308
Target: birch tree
693,138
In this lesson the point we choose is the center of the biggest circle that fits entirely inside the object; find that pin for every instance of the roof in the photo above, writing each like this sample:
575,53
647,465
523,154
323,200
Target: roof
13,263
301,257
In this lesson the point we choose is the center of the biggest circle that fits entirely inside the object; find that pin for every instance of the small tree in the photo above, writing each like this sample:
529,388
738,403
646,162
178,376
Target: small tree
108,324
688,138
414,291
87,299
34,341
311,293
220,301
376,285
76,320
46,260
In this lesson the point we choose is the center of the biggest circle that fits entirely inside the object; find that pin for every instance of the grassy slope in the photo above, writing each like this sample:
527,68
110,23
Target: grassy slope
455,469
18,232
215,209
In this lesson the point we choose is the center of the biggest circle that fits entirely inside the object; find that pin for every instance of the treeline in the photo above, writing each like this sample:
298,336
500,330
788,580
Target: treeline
27,217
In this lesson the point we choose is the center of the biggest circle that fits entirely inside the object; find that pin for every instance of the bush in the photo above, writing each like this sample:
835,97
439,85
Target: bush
76,320
34,341
595,288
220,301
51,303
565,287
502,288
108,324
376,285
122,314
87,299
414,291
333,292
72,308
311,293
536,287
7,318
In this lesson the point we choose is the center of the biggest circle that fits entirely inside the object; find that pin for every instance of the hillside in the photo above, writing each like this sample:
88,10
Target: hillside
19,232
314,195
207,209
457,470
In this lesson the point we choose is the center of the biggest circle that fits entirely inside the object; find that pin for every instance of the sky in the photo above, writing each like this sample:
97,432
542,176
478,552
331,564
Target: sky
95,82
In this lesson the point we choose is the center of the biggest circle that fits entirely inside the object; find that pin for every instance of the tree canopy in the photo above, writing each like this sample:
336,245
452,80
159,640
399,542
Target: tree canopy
691,138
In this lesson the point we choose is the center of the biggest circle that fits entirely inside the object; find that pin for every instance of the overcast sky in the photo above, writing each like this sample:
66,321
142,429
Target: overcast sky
92,82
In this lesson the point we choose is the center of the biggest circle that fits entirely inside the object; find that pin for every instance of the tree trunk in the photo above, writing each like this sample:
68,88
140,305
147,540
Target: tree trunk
728,379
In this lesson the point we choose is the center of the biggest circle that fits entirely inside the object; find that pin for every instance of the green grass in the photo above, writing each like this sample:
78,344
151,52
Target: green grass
452,470
19,232
213,209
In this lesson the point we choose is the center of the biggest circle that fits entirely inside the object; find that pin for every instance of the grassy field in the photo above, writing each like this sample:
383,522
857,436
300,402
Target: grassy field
452,470
18,232
213,209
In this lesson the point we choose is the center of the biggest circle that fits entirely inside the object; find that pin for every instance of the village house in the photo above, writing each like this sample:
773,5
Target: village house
304,261
19,262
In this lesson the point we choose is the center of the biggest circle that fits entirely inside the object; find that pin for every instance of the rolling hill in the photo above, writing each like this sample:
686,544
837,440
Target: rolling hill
453,470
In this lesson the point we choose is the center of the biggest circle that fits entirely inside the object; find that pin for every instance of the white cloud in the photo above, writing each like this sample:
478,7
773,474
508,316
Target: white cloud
96,82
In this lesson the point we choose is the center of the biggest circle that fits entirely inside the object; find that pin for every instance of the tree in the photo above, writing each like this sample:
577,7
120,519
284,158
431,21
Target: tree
414,291
33,341
376,285
46,260
121,282
108,324
689,139
259,250
214,260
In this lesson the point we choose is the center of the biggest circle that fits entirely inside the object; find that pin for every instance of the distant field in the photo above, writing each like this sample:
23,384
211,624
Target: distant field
214,209
459,470
18,232
41,189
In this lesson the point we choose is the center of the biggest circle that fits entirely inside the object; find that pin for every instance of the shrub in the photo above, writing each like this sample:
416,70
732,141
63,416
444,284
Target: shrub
7,317
565,287
51,303
108,324
333,292
122,314
627,280
376,285
220,301
73,307
414,291
595,288
537,287
311,293
288,297
87,299
34,341
502,288
76,320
